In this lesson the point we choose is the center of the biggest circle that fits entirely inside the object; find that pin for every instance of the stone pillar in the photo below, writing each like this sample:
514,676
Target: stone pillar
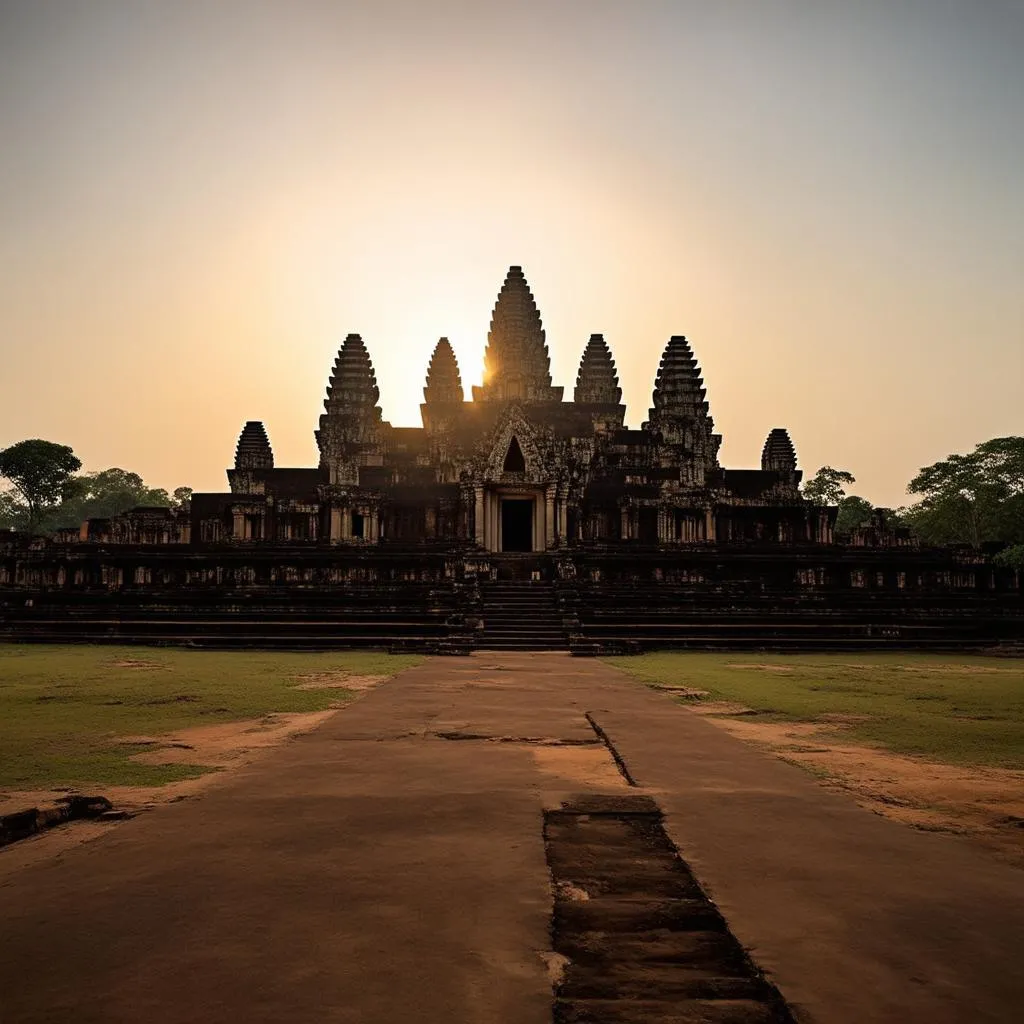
665,518
336,522
478,519
549,519
626,532
709,526
430,523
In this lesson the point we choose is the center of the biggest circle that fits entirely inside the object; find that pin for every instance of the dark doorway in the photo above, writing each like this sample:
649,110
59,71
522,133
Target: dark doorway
647,525
517,524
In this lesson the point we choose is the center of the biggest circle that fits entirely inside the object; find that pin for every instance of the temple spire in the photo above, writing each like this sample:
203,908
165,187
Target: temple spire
679,387
350,428
680,414
597,382
254,451
778,453
444,383
353,384
516,361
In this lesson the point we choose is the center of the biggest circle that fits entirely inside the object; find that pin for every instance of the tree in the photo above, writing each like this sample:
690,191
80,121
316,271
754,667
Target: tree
102,495
826,487
974,498
11,511
1011,557
181,497
39,471
853,512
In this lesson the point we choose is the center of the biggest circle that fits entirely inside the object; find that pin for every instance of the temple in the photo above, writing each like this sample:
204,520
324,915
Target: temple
518,468
515,519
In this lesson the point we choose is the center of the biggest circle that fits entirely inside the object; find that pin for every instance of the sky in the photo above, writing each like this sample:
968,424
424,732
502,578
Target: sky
199,200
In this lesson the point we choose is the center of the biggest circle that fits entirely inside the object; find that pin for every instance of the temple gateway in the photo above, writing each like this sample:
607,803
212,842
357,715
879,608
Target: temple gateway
518,468
517,519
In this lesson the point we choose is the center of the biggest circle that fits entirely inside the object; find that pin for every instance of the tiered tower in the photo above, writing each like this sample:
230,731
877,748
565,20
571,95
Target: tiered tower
444,382
597,383
351,426
253,453
597,386
443,397
778,453
516,361
680,416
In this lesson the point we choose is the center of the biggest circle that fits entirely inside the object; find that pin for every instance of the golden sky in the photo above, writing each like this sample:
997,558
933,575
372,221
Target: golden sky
200,200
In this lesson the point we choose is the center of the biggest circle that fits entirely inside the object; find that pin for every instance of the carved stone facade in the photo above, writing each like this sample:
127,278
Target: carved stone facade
516,469
610,537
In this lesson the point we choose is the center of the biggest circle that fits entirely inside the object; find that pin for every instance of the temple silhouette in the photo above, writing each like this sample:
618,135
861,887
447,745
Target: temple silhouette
516,519
517,469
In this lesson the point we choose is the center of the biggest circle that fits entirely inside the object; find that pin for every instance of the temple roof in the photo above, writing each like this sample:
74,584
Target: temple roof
516,357
444,383
254,451
353,385
679,387
597,381
778,453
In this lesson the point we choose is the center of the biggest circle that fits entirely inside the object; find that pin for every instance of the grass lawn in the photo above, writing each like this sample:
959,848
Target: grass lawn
956,709
62,708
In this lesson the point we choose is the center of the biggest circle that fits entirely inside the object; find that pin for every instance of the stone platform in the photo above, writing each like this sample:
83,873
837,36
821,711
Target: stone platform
396,864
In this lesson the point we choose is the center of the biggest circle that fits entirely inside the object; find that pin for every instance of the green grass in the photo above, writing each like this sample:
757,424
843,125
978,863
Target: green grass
955,709
62,709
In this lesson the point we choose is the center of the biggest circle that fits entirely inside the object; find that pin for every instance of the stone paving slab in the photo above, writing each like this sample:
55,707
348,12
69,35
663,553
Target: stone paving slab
374,871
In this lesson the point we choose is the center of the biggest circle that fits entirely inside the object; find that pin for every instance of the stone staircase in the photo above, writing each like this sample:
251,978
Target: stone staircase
521,615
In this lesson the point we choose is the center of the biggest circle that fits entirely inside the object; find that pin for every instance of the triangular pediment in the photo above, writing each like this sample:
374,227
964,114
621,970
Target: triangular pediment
513,452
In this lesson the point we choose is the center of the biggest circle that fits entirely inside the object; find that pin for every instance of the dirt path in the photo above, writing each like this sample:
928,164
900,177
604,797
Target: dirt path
984,804
395,864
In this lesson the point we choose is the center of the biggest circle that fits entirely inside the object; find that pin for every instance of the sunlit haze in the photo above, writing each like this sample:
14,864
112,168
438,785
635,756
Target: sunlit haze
200,200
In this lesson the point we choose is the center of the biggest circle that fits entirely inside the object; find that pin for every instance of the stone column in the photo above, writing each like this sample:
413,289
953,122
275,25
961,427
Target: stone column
549,520
626,532
478,519
663,527
709,526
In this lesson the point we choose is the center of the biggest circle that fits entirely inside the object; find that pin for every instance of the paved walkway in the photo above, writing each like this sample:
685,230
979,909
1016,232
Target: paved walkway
390,867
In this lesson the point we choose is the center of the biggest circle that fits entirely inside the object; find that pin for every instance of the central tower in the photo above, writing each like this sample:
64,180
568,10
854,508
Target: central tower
516,362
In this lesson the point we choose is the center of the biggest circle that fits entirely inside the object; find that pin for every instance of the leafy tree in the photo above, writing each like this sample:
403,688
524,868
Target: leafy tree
39,471
1011,557
853,512
826,487
11,512
974,498
104,494
181,497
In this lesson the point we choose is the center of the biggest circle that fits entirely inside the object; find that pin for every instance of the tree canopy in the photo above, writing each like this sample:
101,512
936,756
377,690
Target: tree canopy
972,499
60,498
104,494
854,512
827,486
39,470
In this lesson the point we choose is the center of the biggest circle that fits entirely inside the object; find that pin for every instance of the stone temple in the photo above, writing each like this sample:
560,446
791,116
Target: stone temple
516,519
519,468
